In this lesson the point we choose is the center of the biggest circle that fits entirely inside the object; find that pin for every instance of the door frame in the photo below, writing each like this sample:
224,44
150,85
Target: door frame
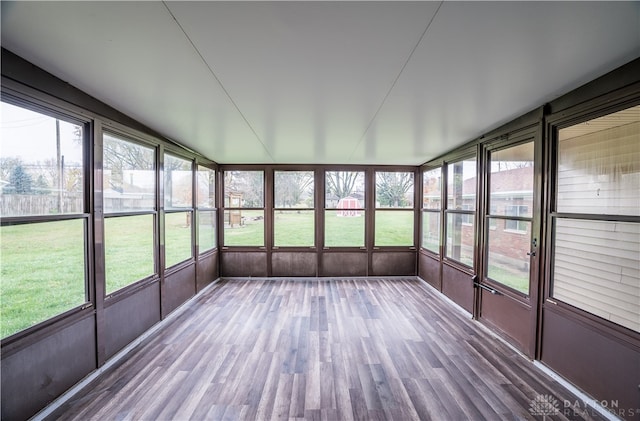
529,130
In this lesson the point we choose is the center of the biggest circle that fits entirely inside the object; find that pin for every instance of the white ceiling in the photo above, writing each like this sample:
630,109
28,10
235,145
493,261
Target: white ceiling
323,82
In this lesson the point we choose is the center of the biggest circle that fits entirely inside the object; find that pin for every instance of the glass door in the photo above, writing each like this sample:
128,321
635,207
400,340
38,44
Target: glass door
510,242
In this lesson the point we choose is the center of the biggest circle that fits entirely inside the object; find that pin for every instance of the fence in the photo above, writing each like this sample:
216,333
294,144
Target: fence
38,204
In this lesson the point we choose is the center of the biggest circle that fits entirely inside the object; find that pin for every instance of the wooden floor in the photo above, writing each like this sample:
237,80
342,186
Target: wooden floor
320,349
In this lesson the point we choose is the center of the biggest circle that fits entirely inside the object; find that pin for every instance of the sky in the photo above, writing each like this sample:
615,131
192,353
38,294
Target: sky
32,136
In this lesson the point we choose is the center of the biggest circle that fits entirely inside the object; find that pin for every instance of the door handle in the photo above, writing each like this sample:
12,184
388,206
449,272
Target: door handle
531,253
486,288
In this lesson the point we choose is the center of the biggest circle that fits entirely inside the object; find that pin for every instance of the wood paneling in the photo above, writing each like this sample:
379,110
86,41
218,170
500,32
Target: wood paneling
36,375
429,270
294,264
243,263
179,286
343,264
607,368
128,318
458,286
319,349
207,270
389,263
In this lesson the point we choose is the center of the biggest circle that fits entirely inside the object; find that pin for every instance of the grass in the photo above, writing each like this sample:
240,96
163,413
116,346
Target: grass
177,238
128,250
516,279
394,228
42,267
296,228
41,272
343,231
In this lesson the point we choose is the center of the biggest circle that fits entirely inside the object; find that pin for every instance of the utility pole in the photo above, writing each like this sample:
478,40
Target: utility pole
59,165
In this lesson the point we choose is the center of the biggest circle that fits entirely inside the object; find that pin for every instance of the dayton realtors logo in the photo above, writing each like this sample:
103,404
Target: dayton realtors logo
545,405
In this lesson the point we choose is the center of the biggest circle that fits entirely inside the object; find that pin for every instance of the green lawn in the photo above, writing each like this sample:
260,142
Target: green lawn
42,269
293,228
177,247
128,250
296,228
41,272
516,279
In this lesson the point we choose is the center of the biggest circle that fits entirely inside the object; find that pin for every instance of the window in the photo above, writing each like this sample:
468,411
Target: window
294,213
596,223
394,214
459,245
42,165
129,196
42,170
244,208
514,225
207,213
460,212
431,207
178,209
344,209
510,202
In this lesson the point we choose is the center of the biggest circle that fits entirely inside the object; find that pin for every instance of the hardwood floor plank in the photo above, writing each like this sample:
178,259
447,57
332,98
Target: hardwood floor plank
325,349
282,402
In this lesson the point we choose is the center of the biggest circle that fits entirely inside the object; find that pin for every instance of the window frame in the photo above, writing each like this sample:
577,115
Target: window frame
465,155
223,208
128,136
406,209
365,214
312,209
438,211
213,209
189,210
71,114
554,123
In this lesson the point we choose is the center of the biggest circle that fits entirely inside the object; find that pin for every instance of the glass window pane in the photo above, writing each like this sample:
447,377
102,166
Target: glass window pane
41,164
129,175
596,267
431,231
344,189
599,165
431,189
394,189
294,228
511,181
516,210
244,189
344,228
293,189
394,228
508,261
461,185
42,267
459,242
206,187
129,251
177,237
207,230
178,188
243,227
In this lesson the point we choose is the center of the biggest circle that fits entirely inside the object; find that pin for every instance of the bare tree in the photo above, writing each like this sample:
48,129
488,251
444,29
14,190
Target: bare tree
392,188
341,183
249,184
291,187
7,166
